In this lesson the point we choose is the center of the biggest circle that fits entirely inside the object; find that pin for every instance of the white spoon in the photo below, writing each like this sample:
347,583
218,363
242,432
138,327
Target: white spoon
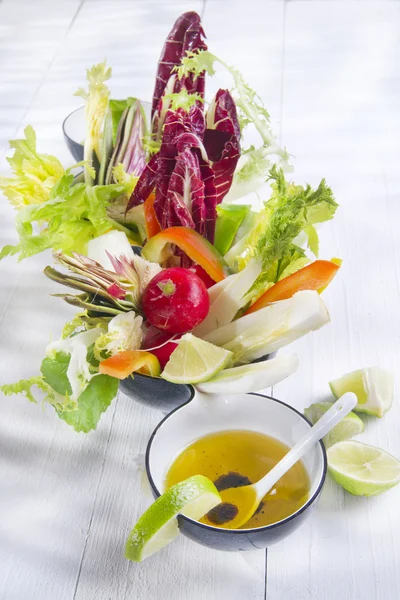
245,500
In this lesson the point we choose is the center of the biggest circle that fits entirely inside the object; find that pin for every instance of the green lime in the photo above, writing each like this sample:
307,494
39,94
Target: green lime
158,526
372,386
348,427
195,360
363,470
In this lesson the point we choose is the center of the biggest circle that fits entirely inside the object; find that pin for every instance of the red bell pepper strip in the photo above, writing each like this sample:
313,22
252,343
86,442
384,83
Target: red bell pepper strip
312,277
125,363
152,224
193,244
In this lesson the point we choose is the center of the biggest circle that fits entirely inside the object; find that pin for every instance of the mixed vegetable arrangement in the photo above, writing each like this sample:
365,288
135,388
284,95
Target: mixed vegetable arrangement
174,277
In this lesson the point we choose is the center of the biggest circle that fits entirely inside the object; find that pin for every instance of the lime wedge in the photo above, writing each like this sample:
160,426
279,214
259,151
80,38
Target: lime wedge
158,526
363,470
348,427
372,386
195,360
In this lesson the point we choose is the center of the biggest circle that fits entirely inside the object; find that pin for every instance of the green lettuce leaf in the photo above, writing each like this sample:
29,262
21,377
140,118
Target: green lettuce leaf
72,216
229,219
96,107
312,239
34,174
93,401
54,371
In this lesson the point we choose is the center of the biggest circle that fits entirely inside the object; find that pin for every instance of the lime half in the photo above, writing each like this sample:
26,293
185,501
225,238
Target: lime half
158,526
348,427
195,360
372,386
363,470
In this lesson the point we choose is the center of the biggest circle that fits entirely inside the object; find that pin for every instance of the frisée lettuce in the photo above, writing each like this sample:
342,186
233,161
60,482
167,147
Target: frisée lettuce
290,210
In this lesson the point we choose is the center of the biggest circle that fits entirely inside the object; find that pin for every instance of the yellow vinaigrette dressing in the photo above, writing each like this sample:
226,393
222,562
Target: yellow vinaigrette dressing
240,457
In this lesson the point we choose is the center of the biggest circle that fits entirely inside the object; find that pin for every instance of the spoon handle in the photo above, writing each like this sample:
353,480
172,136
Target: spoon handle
336,413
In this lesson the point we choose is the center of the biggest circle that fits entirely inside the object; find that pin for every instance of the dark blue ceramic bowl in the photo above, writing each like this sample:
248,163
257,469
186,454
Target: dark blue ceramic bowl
156,392
208,414
161,394
74,132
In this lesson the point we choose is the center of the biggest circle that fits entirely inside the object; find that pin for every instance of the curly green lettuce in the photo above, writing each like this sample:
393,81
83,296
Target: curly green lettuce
290,210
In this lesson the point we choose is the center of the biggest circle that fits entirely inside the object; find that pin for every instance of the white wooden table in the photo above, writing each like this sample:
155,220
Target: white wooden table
329,72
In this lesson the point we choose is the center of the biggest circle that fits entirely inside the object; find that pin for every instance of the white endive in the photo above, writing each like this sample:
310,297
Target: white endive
225,305
272,327
251,378
115,243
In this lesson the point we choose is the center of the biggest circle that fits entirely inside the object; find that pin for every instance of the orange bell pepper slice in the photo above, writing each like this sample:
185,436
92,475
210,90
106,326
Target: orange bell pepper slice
125,363
193,244
152,224
312,277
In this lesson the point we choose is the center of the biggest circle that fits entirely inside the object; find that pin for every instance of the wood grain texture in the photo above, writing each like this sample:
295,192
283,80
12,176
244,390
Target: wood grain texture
340,110
329,74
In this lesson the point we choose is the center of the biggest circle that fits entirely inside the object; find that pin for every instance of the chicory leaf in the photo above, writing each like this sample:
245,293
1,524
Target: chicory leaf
185,36
24,387
222,141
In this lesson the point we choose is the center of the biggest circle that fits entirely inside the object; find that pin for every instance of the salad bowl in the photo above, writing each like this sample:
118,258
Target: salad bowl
159,393
74,132
74,125
207,414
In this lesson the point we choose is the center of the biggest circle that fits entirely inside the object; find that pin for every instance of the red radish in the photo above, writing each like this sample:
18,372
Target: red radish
176,300
159,343
200,272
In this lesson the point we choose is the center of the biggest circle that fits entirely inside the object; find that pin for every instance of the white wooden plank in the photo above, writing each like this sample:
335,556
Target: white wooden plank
339,113
48,474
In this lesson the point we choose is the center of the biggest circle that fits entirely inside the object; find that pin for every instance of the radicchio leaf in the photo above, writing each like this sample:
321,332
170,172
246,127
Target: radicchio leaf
186,36
185,193
134,159
146,183
210,201
128,148
222,141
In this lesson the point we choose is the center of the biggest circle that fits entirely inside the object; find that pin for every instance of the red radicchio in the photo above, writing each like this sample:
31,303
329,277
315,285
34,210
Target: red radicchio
186,36
222,141
194,168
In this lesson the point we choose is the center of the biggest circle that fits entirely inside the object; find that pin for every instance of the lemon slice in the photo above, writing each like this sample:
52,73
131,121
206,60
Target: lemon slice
158,526
348,427
363,470
372,386
195,360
